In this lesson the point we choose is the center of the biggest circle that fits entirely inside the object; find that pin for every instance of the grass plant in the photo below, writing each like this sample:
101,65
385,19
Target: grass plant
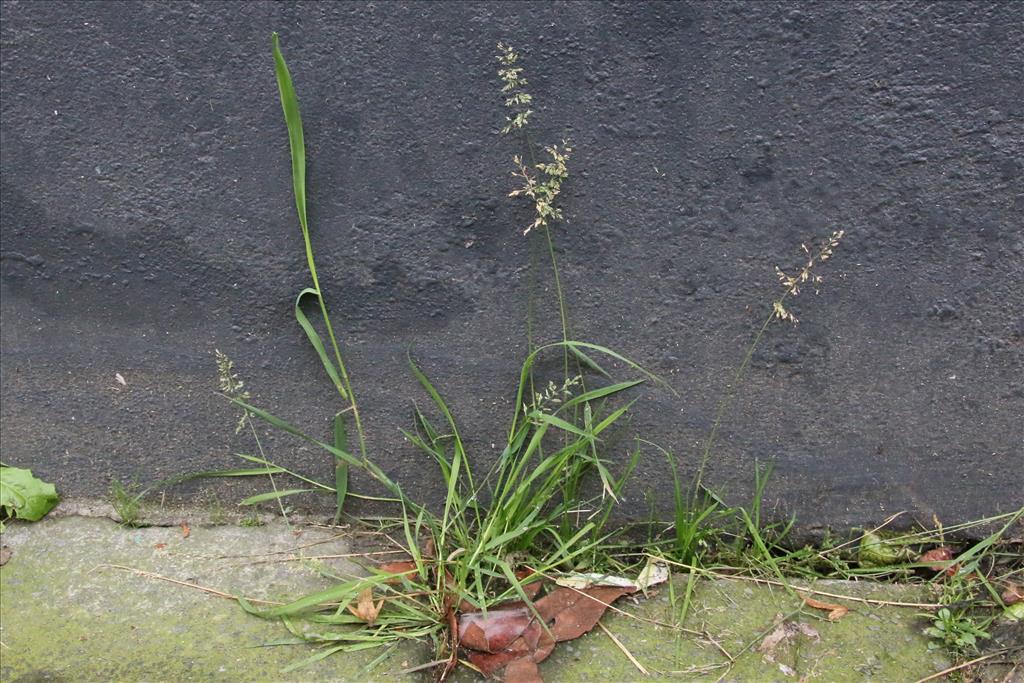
524,510
526,515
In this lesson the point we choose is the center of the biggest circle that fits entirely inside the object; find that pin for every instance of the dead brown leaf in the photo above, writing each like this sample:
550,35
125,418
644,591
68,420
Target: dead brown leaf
401,567
365,608
835,612
5,555
940,560
783,634
531,589
502,637
185,530
159,546
1012,593
511,638
570,613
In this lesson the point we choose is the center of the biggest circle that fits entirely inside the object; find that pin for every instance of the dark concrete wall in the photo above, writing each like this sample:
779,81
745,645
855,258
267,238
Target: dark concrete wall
148,218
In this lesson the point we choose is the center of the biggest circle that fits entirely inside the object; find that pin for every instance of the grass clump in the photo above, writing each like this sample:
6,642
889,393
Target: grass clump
127,503
508,524
503,526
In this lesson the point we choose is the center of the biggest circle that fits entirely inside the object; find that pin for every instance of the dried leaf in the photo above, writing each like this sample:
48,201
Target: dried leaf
651,575
940,560
185,530
571,613
159,546
1013,593
511,638
586,580
497,630
835,612
365,608
523,671
530,589
5,555
782,634
402,567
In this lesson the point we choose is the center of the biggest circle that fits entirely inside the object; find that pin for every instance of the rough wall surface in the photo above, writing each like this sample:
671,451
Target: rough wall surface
147,219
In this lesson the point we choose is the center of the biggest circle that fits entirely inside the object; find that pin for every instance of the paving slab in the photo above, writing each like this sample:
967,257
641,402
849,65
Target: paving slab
68,614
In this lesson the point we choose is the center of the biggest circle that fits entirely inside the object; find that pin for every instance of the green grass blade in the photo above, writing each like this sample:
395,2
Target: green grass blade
292,473
272,495
244,472
560,424
595,394
588,362
342,592
367,465
326,652
284,426
290,106
317,342
340,466
459,464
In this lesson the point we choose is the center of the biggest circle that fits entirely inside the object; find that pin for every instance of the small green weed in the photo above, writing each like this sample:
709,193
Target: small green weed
127,502
251,520
956,632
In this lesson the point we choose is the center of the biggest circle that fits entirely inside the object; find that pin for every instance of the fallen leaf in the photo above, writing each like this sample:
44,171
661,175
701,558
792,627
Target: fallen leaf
570,613
530,589
497,630
159,546
5,555
502,637
835,612
586,580
940,560
365,608
401,567
185,530
782,634
651,575
1012,594
523,671
511,640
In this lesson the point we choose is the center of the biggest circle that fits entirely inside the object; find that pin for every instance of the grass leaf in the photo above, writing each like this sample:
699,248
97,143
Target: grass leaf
290,106
272,495
316,341
340,466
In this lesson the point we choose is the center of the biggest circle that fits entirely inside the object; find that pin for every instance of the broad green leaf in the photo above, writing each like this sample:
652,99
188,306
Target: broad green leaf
25,496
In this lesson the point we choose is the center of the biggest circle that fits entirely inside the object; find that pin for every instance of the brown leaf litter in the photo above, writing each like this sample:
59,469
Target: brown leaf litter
511,640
